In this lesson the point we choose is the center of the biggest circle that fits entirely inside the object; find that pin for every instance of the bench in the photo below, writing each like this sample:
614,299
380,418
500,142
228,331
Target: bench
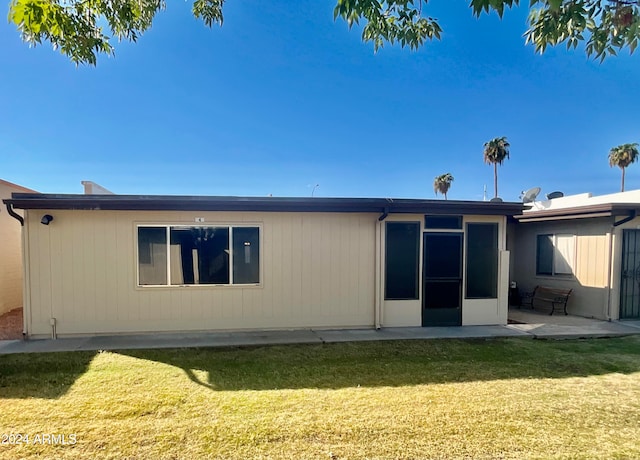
553,296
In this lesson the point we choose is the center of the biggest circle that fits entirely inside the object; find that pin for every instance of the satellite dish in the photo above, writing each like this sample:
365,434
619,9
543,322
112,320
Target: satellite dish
496,199
552,195
530,195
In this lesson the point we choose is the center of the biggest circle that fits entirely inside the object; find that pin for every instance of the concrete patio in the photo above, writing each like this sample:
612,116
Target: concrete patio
533,325
542,325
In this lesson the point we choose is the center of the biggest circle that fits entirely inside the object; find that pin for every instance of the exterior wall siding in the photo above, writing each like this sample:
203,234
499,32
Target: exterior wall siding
590,279
318,270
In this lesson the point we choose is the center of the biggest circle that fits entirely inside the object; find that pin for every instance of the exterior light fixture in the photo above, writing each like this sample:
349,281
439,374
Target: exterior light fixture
46,219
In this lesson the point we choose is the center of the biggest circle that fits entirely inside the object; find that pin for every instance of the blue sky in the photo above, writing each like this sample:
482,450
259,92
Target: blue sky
282,98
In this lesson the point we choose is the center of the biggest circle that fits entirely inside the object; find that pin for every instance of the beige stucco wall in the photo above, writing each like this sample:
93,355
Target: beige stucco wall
10,253
318,270
590,280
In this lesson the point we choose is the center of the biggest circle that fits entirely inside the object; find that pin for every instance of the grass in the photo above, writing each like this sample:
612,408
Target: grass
509,398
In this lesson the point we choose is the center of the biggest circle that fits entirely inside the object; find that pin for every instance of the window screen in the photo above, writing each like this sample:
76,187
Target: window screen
401,260
443,255
544,255
482,261
246,255
443,222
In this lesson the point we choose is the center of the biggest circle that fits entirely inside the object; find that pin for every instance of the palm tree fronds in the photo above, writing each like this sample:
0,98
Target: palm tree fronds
495,152
622,156
442,184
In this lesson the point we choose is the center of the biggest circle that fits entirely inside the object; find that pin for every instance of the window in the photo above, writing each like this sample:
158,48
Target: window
443,222
198,255
555,254
482,261
152,255
401,260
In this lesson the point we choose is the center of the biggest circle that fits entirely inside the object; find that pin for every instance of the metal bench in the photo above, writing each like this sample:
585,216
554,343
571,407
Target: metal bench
553,296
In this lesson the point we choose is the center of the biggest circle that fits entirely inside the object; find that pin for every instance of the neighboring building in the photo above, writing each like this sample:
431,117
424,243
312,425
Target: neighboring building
91,188
585,243
106,264
10,252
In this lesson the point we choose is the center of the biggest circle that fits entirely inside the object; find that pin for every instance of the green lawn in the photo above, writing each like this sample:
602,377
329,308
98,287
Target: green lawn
508,398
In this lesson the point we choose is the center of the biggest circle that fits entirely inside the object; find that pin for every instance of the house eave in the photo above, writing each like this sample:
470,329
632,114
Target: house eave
579,212
264,204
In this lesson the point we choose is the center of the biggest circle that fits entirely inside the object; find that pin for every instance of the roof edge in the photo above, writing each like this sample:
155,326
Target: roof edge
267,204
579,212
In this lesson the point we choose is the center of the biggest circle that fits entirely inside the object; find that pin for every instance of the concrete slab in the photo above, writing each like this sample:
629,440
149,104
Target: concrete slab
304,336
592,330
166,340
528,316
632,323
418,333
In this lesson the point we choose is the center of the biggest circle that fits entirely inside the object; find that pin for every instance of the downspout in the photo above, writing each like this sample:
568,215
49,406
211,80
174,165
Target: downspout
630,217
609,273
378,274
13,214
385,213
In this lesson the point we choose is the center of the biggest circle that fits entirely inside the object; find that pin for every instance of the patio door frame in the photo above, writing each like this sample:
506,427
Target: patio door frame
446,312
630,275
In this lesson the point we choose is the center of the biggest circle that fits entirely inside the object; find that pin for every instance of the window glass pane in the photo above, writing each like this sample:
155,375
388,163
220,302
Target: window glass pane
544,255
401,260
152,255
443,255
451,222
482,261
199,255
563,255
246,255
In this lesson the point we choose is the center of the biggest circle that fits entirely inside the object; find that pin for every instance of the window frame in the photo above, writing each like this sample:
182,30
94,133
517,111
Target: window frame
554,245
228,225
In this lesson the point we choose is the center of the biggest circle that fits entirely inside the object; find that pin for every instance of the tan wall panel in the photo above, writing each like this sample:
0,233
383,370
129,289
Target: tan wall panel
317,271
591,263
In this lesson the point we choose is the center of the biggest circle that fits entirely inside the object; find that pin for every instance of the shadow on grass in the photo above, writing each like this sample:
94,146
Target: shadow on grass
41,375
371,364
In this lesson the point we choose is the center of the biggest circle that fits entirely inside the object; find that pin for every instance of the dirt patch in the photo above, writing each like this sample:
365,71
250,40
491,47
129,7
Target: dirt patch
11,325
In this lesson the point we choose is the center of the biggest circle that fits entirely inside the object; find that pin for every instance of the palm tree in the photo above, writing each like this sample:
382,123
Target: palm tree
442,184
495,152
622,156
